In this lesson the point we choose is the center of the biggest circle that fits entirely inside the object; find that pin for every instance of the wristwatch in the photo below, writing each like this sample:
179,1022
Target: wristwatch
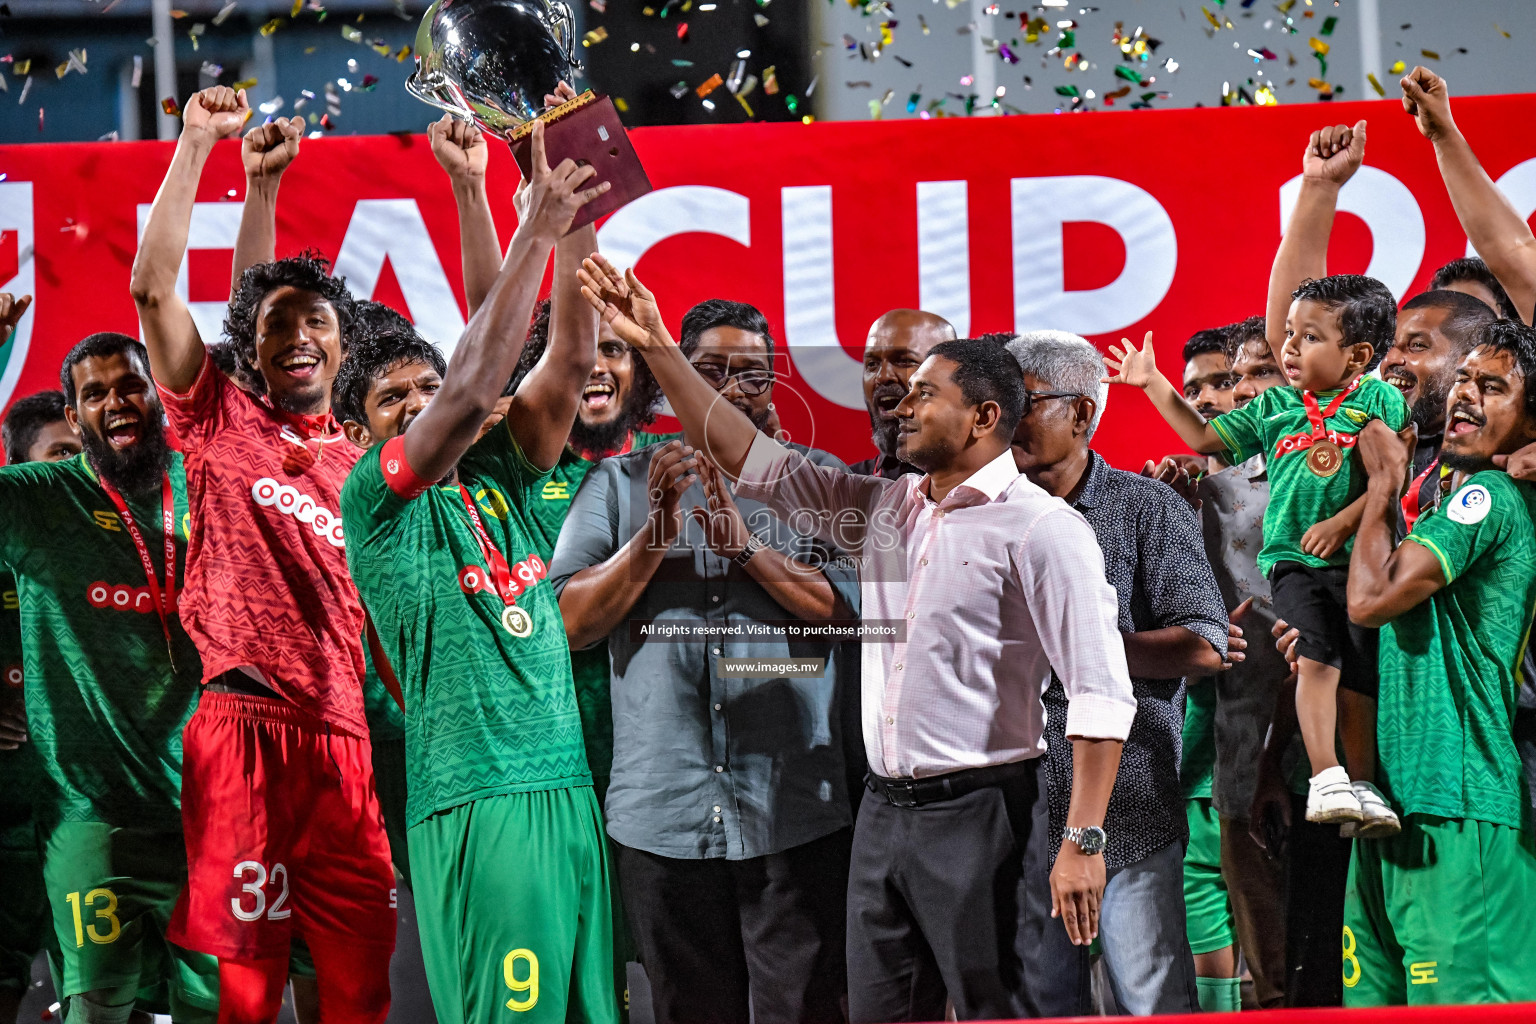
1090,839
752,547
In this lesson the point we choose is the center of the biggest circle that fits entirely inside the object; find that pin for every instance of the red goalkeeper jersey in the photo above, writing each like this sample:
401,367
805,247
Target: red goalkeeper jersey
267,582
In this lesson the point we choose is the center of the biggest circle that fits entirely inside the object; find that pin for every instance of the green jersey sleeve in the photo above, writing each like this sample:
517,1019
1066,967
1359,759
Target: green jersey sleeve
1388,405
1242,430
22,518
1472,521
368,503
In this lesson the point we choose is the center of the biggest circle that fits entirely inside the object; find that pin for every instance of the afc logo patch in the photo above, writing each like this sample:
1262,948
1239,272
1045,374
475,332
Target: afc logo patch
1470,505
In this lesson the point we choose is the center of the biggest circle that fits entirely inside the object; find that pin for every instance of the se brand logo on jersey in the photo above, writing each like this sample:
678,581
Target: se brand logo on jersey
525,574
290,501
1470,505
556,490
122,598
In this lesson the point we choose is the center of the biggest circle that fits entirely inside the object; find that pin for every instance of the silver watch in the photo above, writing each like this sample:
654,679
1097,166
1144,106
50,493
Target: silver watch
1091,839
752,547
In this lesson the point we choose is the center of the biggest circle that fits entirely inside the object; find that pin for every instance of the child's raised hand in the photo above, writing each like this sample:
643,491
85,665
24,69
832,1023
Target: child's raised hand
1138,368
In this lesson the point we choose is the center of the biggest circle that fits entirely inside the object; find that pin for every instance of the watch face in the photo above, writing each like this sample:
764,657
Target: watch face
1093,840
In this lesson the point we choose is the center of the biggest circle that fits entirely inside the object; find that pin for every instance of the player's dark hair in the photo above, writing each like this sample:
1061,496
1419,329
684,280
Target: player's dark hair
1519,341
26,420
308,272
986,372
370,358
1245,332
370,318
99,346
1212,339
712,313
1472,268
996,337
222,355
1365,307
1465,316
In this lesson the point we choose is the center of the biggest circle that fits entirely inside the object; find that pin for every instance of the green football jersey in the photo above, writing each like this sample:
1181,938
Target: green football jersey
1271,425
1450,666
589,667
20,773
487,711
1197,764
106,701
385,719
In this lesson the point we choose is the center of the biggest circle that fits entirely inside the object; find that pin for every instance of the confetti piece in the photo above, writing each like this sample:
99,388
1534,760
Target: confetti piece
1009,57
912,102
26,87
760,20
709,85
709,104
402,54
681,63
138,70
109,137
244,83
1397,68
198,29
379,47
23,66
1130,74
325,122
211,69
595,36
874,109
923,24
1328,24
1496,28
271,26
620,105
351,34
1216,24
272,106
224,12
1371,77
1264,96
600,6
1431,54
169,106
682,32
744,105
771,80
298,5
1321,86
369,81
810,90
1069,90
178,15
1318,45
792,104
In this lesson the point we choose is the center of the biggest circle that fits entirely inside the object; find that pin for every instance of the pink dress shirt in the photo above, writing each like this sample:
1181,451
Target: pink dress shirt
989,590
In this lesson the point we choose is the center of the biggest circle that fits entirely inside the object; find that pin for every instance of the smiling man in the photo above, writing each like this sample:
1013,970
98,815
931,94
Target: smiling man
1440,913
284,835
898,343
110,679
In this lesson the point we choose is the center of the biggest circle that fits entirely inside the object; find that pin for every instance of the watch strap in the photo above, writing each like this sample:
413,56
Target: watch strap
752,547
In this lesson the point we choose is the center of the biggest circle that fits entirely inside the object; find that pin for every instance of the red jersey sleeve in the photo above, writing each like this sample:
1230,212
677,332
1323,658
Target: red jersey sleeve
398,474
195,416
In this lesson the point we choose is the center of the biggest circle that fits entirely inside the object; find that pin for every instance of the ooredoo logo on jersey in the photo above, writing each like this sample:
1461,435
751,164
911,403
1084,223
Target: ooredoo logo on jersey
122,598
290,501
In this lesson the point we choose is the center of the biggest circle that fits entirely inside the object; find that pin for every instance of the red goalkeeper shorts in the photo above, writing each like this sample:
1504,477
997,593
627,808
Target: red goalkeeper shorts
284,835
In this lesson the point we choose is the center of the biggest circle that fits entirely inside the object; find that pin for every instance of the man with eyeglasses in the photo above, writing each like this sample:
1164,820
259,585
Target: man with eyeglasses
728,801
1173,624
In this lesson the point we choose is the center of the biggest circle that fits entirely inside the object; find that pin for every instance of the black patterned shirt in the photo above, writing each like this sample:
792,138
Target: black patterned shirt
1154,557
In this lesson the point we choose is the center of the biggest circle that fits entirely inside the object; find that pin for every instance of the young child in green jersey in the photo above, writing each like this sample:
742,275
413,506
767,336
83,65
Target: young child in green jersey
1336,330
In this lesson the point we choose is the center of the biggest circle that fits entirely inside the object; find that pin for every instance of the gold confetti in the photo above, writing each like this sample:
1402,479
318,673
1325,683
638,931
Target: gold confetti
1318,45
1371,77
1397,68
744,105
1431,54
23,66
178,15
619,105
1215,22
1500,31
351,34
298,5
1321,86
271,26
244,83
595,36
405,51
771,80
710,85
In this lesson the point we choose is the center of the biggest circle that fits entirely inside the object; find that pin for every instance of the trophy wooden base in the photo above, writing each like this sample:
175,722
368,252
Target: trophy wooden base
587,129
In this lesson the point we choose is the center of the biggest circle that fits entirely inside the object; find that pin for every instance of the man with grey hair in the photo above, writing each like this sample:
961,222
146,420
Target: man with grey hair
1173,623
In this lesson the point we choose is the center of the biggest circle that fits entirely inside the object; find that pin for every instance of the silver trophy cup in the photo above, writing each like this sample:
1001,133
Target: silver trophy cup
493,61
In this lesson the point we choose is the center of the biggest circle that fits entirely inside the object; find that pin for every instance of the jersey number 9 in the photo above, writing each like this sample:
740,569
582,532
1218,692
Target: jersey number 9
530,984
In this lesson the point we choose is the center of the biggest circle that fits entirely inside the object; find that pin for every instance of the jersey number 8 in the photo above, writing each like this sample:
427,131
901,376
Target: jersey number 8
529,984
254,886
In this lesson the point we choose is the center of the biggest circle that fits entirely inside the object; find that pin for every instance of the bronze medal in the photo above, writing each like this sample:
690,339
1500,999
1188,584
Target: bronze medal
516,621
1325,458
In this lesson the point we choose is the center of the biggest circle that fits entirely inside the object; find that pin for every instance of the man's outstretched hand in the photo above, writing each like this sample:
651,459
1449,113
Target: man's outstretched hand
269,148
1334,153
625,304
11,310
1428,102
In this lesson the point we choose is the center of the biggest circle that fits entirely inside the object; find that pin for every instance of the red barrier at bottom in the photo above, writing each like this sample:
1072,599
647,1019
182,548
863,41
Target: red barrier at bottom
1505,1012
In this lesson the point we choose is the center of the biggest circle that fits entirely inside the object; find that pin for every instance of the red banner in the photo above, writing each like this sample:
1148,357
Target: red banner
1105,224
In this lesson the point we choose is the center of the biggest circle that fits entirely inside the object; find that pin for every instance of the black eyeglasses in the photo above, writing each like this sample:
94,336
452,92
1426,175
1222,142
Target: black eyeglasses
750,382
1030,396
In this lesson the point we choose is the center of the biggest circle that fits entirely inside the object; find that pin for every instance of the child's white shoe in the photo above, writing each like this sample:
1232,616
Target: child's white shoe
1378,820
1331,797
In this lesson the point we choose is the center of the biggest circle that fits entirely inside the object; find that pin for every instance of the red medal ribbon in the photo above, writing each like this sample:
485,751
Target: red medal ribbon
496,563
1411,507
163,597
1316,417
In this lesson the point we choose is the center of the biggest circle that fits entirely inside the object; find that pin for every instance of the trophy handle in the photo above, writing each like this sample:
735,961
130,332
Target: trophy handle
564,24
428,94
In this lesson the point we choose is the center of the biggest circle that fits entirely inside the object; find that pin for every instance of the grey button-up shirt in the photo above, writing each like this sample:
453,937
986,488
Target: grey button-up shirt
705,766
1155,561
1232,517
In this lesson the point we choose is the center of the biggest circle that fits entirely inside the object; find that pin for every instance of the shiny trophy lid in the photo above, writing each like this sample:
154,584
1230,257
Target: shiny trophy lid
493,61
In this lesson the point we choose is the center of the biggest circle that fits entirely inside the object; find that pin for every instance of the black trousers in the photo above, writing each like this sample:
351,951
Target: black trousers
954,897
1317,871
727,942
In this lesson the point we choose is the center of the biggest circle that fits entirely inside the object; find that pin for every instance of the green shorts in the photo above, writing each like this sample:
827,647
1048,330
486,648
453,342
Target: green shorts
112,891
512,901
24,922
1440,914
389,784
1207,910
